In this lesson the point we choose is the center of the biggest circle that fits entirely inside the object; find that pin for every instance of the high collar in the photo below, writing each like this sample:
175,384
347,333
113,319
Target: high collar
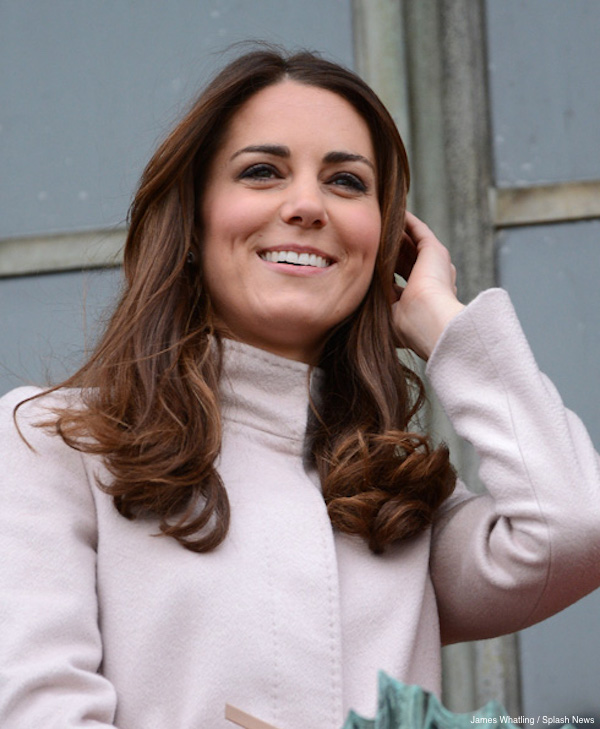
265,391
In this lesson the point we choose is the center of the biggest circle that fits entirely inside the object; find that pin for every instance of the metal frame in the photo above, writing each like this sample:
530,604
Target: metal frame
439,51
539,204
65,252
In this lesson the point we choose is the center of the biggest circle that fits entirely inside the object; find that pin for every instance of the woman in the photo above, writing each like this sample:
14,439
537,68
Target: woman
226,503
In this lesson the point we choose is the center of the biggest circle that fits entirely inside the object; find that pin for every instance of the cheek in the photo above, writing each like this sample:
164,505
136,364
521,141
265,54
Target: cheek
366,236
369,234
233,215
223,230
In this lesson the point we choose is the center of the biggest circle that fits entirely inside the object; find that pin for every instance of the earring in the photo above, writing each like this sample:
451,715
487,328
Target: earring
190,258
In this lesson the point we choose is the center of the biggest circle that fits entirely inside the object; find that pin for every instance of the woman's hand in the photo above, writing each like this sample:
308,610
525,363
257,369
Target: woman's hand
428,302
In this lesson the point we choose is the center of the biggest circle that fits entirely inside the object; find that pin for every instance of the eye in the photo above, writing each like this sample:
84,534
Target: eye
260,171
350,181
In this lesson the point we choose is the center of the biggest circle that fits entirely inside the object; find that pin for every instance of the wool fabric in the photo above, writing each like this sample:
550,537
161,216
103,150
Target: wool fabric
104,624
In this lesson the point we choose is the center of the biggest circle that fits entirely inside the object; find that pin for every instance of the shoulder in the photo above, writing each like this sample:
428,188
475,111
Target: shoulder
31,402
47,495
26,416
40,475
19,409
17,396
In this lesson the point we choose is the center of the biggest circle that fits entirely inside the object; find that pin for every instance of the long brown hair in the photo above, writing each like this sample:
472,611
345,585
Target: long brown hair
150,389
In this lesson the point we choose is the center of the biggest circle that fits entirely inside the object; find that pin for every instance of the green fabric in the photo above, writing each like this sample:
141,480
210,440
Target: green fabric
409,707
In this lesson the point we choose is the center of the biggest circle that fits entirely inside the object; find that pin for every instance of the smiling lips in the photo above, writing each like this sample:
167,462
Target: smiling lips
295,258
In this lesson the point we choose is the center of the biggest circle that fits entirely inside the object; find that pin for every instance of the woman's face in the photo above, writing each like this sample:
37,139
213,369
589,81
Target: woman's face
291,219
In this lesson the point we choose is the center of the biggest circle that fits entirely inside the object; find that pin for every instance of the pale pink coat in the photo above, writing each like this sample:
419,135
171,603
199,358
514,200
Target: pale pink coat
103,624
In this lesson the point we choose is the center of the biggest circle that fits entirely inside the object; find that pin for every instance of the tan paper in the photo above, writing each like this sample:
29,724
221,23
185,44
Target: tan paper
239,717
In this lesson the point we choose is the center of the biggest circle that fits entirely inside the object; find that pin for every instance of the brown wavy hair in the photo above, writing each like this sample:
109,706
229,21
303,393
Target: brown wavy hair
150,389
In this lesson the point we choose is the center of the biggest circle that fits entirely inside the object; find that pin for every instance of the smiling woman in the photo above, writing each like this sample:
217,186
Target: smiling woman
229,502
278,156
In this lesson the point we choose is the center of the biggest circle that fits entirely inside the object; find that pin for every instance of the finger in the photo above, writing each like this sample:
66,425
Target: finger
415,232
416,228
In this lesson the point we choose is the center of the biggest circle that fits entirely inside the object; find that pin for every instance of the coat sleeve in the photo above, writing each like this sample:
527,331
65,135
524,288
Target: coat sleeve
530,546
50,644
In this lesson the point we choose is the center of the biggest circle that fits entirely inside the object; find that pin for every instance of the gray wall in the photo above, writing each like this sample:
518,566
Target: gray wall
49,322
544,61
87,89
552,273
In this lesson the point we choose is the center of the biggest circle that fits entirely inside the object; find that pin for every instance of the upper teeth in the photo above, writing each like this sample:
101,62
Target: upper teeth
300,259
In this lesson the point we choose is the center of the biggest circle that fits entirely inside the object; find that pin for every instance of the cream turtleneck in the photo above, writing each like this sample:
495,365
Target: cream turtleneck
266,392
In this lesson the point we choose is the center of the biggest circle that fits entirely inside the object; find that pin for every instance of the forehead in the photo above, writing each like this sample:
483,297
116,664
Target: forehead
291,112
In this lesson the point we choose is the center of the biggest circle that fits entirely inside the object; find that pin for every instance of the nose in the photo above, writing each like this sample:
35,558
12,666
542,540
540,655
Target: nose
304,205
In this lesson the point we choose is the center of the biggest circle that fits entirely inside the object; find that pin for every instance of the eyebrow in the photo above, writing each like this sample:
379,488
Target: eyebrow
284,152
275,149
348,157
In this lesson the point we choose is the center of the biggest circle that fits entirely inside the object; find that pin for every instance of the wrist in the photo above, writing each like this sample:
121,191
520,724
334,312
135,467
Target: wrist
433,324
442,318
